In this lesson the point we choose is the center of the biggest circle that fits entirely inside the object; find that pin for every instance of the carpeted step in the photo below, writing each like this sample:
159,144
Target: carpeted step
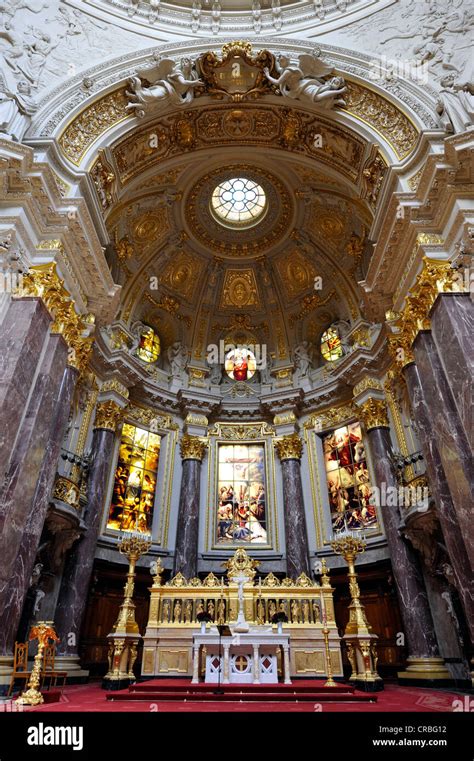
233,696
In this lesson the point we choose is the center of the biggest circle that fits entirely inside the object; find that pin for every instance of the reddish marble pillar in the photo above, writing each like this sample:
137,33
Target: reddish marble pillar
36,515
23,334
453,447
289,450
21,481
77,573
454,538
187,535
452,328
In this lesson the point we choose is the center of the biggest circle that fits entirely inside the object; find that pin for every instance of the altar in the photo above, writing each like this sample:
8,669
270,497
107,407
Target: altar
243,658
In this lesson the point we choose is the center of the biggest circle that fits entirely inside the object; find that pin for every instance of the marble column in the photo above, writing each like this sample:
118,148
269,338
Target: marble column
452,328
453,536
77,574
36,514
422,646
187,535
289,450
23,334
20,485
452,444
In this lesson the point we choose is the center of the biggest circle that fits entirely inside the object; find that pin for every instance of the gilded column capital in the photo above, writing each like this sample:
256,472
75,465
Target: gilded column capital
107,415
192,448
374,414
289,447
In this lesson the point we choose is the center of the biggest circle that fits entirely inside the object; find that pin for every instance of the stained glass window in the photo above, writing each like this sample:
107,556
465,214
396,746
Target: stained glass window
348,479
241,502
240,364
149,347
135,480
238,201
331,347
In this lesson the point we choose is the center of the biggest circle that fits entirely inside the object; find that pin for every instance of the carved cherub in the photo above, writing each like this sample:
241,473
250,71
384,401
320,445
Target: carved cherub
304,81
171,82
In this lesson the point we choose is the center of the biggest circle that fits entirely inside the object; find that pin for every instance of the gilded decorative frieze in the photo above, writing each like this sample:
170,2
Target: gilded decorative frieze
92,122
192,448
115,385
331,417
382,115
374,414
284,418
66,491
241,431
239,290
366,383
289,447
150,418
108,415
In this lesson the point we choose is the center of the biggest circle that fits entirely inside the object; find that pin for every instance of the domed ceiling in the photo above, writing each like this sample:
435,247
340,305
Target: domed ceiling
283,278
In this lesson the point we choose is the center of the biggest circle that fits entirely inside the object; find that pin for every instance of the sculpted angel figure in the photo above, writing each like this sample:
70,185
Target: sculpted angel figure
303,81
171,82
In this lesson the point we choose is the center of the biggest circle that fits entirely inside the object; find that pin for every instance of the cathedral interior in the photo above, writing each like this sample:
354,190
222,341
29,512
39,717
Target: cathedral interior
236,320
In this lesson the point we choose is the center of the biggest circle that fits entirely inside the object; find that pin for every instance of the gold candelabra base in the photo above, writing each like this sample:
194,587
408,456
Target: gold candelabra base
43,631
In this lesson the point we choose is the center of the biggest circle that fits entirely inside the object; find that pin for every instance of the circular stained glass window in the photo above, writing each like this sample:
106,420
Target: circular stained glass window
239,202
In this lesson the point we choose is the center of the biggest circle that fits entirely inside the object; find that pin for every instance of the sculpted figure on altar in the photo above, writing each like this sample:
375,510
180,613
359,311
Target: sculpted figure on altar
303,81
172,83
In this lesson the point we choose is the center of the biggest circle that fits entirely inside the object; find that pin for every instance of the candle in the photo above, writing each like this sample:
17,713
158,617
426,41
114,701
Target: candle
325,619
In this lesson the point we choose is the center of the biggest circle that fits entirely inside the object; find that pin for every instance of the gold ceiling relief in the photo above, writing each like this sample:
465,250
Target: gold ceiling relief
238,74
182,274
103,177
150,225
384,116
239,290
171,305
309,303
296,273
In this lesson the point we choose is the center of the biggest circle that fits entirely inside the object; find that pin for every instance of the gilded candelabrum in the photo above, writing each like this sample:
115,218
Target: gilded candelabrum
43,631
123,639
359,637
349,547
133,547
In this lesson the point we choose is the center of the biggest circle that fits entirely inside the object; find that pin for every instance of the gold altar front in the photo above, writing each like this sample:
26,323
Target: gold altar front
174,607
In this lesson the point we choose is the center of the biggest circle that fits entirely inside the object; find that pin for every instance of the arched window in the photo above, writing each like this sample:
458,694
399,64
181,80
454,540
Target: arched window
135,480
149,347
348,480
331,346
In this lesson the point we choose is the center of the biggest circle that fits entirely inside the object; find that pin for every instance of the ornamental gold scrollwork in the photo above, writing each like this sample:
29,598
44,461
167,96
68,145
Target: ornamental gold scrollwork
374,413
241,431
436,277
289,447
42,281
192,448
241,565
108,414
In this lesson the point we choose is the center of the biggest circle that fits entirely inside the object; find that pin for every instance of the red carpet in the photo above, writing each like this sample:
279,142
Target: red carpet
91,698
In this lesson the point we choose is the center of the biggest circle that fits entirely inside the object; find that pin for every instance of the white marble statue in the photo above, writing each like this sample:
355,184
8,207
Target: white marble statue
456,104
16,108
303,81
302,358
177,355
172,83
265,371
215,375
